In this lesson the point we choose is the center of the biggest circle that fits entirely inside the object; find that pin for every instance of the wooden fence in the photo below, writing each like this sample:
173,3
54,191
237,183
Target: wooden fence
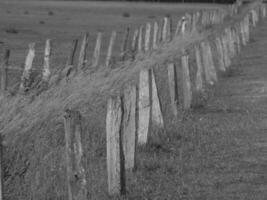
131,116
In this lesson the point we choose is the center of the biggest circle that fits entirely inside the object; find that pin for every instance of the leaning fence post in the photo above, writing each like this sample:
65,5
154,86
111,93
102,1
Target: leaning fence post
125,44
96,54
115,158
47,54
110,47
82,57
76,179
4,69
129,126
25,78
134,41
187,93
173,88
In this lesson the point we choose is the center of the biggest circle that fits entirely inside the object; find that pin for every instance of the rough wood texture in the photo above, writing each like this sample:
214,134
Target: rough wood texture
155,35
140,39
47,55
187,93
220,54
199,75
173,88
25,78
1,168
82,57
115,159
144,107
129,126
96,55
76,179
125,44
4,70
110,47
147,37
156,113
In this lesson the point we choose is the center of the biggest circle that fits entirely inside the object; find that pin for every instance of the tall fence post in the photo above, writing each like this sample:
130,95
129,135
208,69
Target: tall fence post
47,54
187,93
155,35
140,40
110,47
115,157
147,37
76,179
125,44
165,29
25,78
4,70
96,55
135,41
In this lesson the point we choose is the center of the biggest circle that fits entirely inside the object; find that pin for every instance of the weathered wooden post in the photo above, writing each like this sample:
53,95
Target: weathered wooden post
25,78
147,37
155,35
115,157
227,61
187,93
76,179
173,88
220,54
135,41
82,57
47,55
4,70
178,27
1,168
140,40
96,55
206,67
144,106
165,29
199,75
125,44
156,113
110,47
129,126
183,26
211,66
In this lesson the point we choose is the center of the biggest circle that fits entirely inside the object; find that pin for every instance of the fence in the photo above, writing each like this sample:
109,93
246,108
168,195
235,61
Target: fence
131,117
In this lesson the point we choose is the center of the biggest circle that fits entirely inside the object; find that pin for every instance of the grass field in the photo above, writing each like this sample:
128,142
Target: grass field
23,22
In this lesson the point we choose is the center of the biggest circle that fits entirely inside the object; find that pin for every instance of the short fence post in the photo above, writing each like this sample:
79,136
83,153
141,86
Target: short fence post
110,47
129,126
47,54
125,44
25,78
96,55
115,157
187,93
4,70
155,35
147,37
76,179
173,88
82,57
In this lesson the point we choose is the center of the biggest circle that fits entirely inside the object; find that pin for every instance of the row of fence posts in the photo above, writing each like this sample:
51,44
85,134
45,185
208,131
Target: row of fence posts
130,117
144,39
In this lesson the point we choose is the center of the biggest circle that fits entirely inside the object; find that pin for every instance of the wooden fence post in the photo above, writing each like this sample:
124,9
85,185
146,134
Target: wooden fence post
147,37
212,69
82,57
155,35
178,27
47,54
140,39
115,158
165,29
74,152
4,70
25,78
227,61
220,54
125,44
135,41
96,55
173,88
199,75
1,168
205,58
110,47
144,106
129,126
156,113
187,93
